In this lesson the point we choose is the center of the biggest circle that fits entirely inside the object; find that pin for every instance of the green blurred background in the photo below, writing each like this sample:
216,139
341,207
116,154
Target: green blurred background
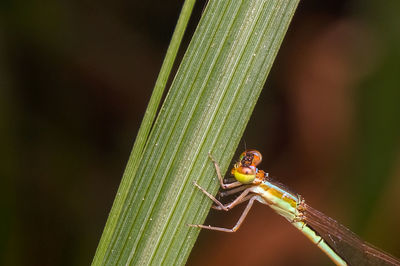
75,78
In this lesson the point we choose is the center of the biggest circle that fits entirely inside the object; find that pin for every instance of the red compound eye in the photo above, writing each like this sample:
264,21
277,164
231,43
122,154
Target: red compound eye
255,155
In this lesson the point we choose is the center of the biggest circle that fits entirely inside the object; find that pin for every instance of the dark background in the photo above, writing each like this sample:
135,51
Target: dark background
75,78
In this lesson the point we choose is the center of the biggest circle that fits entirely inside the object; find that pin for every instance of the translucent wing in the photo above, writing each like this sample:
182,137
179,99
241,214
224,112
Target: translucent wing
346,244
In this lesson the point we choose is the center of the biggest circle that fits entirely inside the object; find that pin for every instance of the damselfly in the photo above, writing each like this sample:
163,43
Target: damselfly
341,245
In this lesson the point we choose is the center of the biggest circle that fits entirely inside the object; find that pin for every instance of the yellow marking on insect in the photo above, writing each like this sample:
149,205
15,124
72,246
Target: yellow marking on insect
278,195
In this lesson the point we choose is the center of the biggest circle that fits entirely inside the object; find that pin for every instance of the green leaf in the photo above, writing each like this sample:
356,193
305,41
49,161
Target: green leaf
206,110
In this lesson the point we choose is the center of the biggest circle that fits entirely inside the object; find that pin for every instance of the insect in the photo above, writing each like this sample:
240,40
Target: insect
341,245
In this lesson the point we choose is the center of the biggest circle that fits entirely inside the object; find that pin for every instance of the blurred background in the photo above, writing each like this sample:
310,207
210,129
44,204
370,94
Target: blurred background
75,78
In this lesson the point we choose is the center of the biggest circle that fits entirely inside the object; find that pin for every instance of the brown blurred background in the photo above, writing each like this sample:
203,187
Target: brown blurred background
75,79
